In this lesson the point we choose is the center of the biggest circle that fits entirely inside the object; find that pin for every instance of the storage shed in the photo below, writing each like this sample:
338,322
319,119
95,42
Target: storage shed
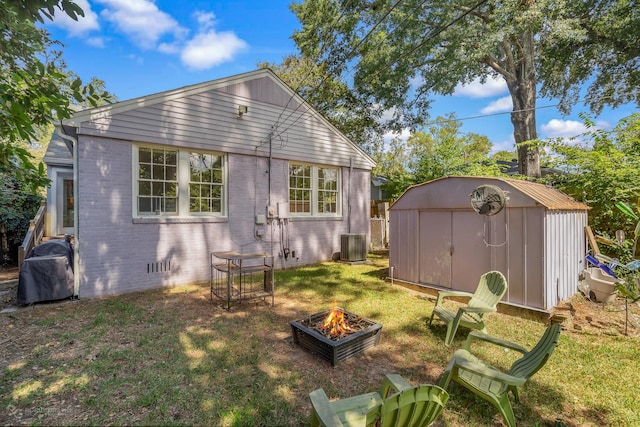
534,235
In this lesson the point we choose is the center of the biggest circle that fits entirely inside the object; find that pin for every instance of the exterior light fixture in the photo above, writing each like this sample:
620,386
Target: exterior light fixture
242,109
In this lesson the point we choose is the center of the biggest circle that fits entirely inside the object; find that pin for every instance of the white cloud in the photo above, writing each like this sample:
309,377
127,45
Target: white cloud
137,59
492,87
389,136
205,20
211,48
141,21
153,29
169,48
498,106
563,128
508,145
95,41
416,81
83,25
386,114
208,47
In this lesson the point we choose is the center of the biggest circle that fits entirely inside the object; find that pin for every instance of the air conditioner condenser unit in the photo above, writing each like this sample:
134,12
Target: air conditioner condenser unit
353,247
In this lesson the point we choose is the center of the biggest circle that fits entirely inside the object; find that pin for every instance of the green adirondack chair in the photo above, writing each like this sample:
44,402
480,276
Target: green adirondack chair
489,292
398,403
491,383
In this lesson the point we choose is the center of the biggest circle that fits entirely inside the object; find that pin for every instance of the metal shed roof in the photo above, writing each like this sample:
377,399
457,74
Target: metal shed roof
547,196
543,195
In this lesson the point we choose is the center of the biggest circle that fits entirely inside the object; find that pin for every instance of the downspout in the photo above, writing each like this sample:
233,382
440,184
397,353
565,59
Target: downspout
76,229
349,196
269,167
270,221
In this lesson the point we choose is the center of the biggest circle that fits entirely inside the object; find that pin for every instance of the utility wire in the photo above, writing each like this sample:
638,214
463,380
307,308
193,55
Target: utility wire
427,38
333,26
482,116
347,55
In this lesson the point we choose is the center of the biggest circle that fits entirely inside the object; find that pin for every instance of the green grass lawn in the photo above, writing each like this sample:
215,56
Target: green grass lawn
173,357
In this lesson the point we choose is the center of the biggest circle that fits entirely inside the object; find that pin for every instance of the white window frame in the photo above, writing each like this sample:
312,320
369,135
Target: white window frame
183,183
219,172
315,191
160,174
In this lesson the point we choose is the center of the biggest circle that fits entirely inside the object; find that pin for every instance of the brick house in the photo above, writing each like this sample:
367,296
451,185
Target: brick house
149,187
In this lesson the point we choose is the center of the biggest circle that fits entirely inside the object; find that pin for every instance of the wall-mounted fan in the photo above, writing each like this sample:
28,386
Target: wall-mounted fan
487,199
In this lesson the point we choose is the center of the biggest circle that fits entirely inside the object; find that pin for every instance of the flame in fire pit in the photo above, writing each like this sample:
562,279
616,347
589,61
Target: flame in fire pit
335,324
309,333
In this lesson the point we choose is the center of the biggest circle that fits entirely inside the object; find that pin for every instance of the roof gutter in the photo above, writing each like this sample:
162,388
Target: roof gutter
76,252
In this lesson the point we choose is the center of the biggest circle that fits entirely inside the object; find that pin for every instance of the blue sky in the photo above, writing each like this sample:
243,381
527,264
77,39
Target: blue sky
140,47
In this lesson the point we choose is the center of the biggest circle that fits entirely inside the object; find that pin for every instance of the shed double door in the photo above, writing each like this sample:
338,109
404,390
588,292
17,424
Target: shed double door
452,248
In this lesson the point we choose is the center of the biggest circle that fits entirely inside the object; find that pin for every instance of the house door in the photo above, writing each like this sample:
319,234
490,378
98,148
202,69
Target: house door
65,205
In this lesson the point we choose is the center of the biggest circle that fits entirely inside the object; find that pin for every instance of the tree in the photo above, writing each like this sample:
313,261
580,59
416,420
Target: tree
597,45
403,52
18,206
393,164
35,86
330,97
443,151
35,89
601,168
504,155
437,151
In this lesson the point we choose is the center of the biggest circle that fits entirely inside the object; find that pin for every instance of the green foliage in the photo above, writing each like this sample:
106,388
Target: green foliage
200,365
331,97
601,168
628,250
594,44
35,86
443,151
396,55
18,206
39,10
437,151
392,164
628,261
504,155
18,162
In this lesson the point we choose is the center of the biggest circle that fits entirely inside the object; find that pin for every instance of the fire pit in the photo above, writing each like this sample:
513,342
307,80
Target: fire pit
335,334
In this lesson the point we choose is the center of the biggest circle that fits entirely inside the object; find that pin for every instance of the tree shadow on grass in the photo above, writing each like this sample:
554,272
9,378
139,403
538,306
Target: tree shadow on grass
528,412
174,356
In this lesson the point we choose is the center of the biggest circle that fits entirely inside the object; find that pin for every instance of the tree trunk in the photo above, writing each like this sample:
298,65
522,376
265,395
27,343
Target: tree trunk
522,87
524,131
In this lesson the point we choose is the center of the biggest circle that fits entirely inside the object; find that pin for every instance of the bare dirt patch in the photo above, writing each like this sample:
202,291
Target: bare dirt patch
8,273
579,314
8,286
593,318
93,343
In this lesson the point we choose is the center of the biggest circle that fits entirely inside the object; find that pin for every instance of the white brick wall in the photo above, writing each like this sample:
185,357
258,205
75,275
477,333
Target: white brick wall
118,254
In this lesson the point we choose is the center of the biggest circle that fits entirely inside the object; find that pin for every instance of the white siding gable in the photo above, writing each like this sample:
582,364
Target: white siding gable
206,117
